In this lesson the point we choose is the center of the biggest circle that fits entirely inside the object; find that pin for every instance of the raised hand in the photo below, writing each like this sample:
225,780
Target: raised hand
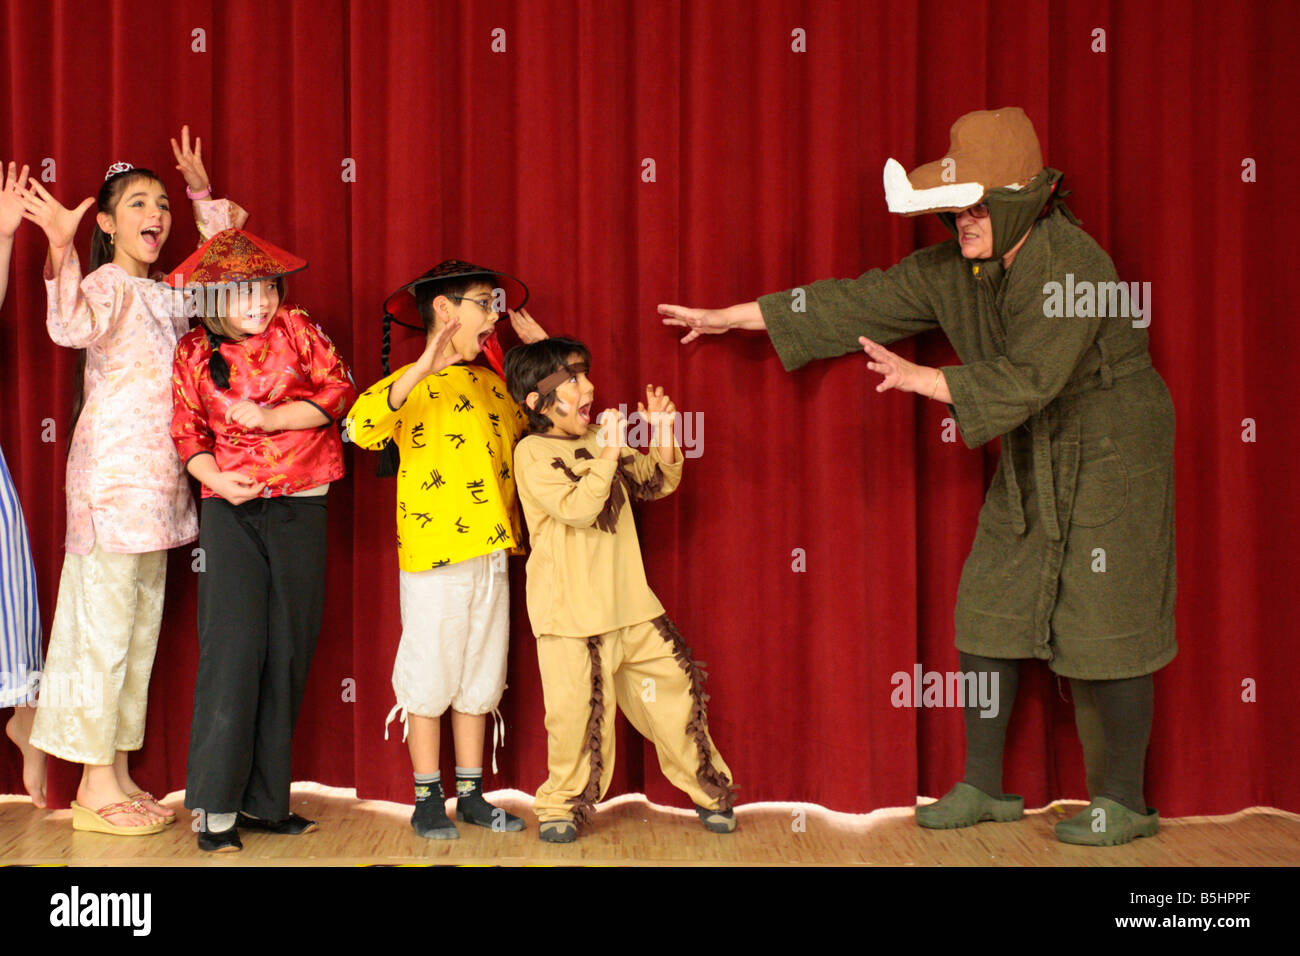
432,359
658,408
11,199
59,222
190,161
526,327
699,321
613,431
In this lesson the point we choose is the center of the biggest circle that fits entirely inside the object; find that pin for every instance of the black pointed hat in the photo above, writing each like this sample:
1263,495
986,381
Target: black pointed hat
400,306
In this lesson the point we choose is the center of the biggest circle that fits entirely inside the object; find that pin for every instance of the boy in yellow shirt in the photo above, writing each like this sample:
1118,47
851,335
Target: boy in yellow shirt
453,427
603,638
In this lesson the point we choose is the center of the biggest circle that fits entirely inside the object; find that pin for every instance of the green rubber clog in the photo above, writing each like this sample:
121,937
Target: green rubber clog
1107,823
965,806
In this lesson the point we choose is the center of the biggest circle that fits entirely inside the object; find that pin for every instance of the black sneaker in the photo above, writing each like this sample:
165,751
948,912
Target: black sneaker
717,821
557,831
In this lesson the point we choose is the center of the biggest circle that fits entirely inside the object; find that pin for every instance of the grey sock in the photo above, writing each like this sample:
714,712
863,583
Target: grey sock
219,822
469,780
428,785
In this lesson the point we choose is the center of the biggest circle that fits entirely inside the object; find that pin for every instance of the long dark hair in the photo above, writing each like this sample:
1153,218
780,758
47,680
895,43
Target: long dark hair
425,293
101,251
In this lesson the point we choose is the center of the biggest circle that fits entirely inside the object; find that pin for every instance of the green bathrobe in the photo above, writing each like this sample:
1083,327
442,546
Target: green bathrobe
1073,560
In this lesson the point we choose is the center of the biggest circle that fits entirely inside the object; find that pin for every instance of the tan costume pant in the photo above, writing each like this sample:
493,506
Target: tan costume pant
95,687
648,671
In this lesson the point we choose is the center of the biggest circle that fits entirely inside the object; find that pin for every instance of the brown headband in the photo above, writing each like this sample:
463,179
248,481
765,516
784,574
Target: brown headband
558,378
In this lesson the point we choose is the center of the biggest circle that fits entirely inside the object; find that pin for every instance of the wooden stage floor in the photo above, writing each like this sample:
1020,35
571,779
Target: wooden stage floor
631,831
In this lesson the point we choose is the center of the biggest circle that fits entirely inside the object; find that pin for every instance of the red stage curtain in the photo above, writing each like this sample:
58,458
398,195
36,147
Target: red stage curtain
767,166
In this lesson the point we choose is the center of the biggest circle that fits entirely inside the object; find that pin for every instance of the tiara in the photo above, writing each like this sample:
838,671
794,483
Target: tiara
117,168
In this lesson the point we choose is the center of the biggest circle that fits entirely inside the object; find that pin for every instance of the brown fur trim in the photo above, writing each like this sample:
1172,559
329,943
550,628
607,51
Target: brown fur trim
607,520
641,490
558,463
584,804
711,780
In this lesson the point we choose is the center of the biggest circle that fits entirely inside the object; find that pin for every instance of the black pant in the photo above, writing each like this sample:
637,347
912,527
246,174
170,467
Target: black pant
261,595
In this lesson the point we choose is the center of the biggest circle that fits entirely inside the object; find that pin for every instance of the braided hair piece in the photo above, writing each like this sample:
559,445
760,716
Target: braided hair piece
217,364
389,456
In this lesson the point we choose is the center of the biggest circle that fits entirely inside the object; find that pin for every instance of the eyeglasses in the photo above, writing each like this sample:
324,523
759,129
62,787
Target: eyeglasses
979,211
484,304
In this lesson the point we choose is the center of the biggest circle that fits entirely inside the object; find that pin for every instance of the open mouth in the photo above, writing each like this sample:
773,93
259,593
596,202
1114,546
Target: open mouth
584,413
483,337
152,236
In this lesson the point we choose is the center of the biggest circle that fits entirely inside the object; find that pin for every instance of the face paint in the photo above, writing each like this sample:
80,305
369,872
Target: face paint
570,413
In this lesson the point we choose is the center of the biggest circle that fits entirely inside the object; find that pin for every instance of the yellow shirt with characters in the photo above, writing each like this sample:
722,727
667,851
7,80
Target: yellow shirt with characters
456,433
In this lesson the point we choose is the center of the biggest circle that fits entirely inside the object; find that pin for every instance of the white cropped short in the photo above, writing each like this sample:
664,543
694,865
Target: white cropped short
455,635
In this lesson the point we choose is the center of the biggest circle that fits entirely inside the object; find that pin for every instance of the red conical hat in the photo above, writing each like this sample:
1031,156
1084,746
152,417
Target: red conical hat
234,255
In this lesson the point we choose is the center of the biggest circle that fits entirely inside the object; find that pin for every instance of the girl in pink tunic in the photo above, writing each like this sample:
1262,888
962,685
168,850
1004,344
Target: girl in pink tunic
128,497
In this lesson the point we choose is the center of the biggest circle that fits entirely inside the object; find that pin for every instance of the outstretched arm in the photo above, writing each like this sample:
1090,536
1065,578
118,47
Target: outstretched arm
746,315
58,222
11,214
79,311
824,319
211,215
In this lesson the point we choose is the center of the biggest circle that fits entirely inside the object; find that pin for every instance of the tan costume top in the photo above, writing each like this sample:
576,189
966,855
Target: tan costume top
585,574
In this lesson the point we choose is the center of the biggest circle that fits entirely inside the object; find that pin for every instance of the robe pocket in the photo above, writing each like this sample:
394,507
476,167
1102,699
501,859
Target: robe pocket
1101,489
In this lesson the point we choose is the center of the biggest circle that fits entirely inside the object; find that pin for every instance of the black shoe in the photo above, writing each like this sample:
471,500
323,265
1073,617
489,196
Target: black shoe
292,825
222,841
472,808
557,831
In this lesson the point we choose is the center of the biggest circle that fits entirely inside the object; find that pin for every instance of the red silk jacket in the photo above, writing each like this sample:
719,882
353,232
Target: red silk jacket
292,360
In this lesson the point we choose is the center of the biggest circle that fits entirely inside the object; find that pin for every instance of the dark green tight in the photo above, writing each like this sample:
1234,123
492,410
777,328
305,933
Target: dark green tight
1113,718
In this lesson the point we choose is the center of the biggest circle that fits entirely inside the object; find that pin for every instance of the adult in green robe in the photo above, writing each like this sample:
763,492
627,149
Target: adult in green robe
1073,557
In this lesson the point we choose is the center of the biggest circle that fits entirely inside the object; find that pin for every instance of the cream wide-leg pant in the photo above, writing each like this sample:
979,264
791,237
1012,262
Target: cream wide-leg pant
648,671
95,687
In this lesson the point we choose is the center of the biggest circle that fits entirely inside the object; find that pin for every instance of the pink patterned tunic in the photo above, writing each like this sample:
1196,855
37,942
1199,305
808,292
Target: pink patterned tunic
126,487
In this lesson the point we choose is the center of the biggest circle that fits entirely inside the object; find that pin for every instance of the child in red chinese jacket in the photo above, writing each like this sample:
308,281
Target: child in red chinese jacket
257,391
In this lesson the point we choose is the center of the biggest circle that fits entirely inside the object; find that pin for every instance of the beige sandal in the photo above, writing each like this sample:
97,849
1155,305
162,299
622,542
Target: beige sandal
95,821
